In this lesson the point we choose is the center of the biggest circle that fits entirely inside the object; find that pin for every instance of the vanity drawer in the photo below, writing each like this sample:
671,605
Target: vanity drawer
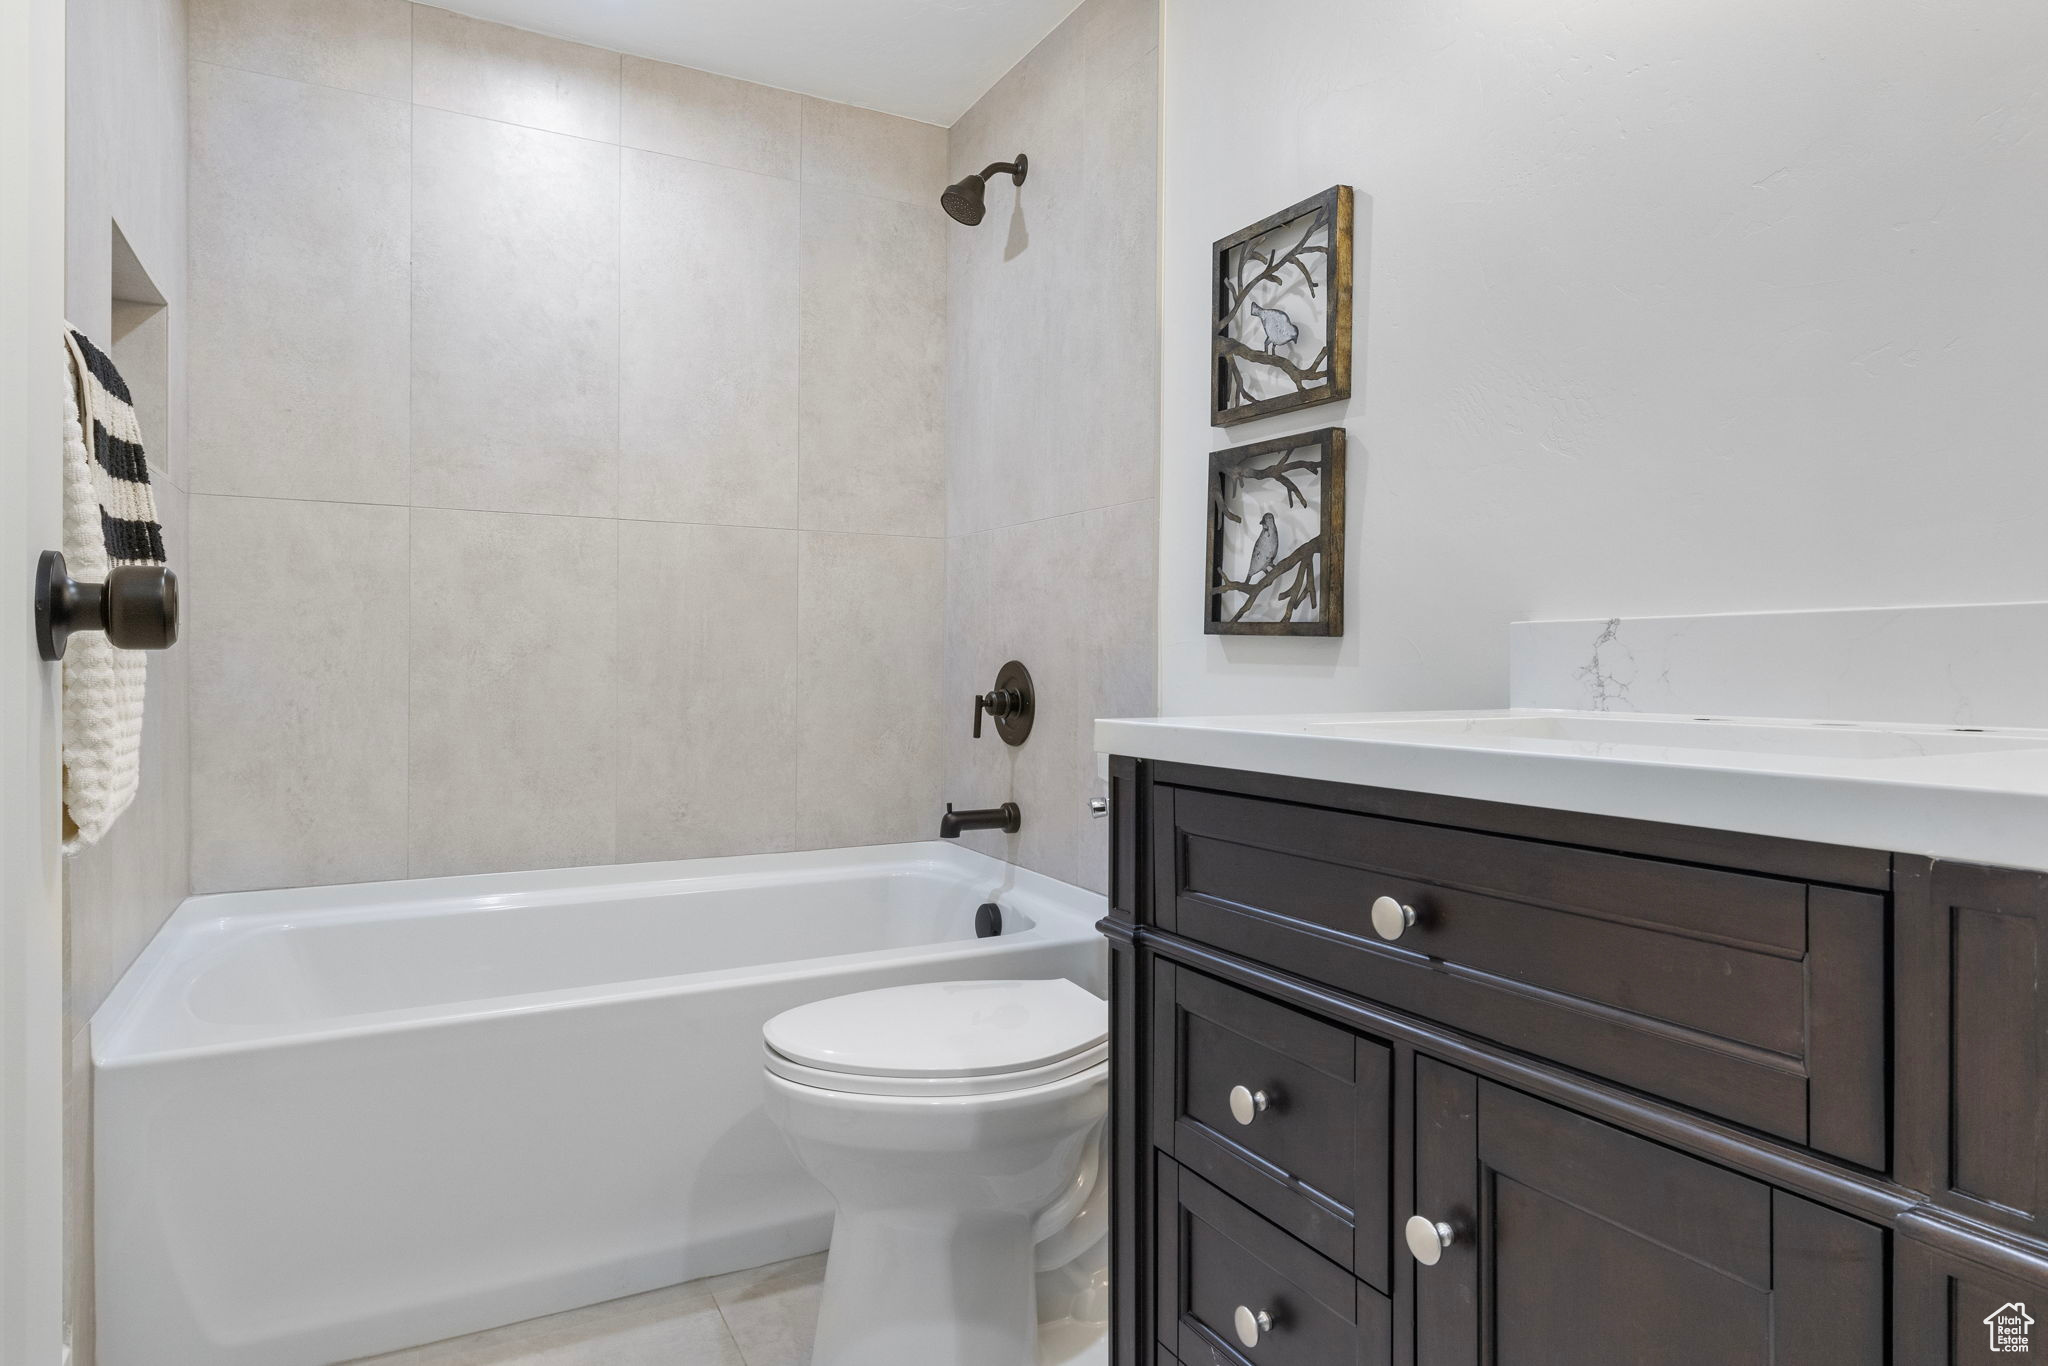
1758,999
1287,1113
1216,1257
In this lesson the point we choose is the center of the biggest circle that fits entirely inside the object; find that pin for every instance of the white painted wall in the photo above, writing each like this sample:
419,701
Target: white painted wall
1661,308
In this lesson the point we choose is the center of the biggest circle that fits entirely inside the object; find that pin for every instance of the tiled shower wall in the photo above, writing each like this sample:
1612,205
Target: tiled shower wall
124,241
1053,427
124,286
568,475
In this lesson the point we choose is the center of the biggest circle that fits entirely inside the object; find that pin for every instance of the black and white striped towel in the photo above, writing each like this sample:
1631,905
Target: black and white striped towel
109,519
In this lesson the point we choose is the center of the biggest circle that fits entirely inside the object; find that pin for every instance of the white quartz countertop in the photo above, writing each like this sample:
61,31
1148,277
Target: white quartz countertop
1963,793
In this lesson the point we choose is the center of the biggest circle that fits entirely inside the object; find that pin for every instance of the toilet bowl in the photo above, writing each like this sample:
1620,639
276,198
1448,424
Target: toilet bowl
959,1127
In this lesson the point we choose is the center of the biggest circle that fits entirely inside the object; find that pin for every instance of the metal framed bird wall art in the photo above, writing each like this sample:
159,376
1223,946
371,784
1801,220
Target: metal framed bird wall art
1281,324
1276,538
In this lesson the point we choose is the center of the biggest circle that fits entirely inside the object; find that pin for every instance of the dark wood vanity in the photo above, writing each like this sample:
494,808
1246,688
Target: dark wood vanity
1426,1080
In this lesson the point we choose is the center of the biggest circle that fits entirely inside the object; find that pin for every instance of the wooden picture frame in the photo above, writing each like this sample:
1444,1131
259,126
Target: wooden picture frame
1293,586
1264,324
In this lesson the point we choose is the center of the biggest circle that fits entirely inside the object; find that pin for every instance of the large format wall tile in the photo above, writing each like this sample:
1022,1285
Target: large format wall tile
874,365
1086,635
1053,427
707,691
297,648
120,890
869,624
1116,33
708,344
473,67
694,114
426,273
297,338
1018,377
1115,614
350,44
1115,423
513,691
847,148
515,318
984,772
124,74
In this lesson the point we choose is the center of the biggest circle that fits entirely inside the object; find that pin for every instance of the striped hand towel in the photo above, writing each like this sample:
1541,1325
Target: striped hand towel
109,519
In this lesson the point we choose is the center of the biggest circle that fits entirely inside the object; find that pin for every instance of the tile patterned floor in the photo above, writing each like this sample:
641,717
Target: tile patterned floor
763,1317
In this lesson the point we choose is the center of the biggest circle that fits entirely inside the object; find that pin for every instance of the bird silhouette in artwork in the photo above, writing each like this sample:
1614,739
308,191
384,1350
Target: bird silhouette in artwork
1280,329
1264,550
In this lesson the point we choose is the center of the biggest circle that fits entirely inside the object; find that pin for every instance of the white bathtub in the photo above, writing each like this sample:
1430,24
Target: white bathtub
337,1121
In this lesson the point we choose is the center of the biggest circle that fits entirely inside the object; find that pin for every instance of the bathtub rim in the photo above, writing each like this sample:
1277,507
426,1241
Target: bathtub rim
1061,913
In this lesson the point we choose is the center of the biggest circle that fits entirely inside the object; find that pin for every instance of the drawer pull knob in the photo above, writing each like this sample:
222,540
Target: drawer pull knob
1390,919
1428,1238
1250,1325
1246,1104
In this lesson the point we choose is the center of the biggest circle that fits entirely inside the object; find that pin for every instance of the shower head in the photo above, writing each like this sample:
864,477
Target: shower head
965,199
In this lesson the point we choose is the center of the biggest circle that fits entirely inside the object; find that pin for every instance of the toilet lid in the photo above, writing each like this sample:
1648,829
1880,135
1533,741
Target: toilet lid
943,1029
931,1088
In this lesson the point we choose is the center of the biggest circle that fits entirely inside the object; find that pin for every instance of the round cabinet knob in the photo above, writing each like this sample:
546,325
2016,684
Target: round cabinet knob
1250,1325
1246,1104
1390,919
1428,1238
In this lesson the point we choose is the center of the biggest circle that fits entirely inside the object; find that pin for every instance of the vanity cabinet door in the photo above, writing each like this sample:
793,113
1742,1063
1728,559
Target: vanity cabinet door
1972,980
1572,1241
1955,1310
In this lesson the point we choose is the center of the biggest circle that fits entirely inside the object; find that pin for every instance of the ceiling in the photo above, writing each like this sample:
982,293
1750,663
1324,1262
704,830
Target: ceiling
923,59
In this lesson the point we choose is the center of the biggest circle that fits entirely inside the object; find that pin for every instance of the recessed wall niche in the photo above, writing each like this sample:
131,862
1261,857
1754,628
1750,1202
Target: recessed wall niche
141,348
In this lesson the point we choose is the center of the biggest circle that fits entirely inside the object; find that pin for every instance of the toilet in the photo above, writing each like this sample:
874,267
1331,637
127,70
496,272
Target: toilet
959,1127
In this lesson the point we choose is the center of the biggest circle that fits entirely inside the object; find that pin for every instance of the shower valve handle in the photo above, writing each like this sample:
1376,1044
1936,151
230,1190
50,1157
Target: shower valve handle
1009,704
997,703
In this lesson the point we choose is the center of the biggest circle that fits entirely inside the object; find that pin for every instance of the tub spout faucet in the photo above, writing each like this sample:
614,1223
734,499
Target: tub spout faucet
1007,818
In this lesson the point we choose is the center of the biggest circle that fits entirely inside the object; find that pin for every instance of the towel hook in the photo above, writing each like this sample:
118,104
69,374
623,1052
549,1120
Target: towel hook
137,606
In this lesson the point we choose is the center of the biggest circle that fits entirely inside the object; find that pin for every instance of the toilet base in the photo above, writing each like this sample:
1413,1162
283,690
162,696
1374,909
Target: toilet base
1073,1311
914,1285
911,1310
1073,1342
1078,1291
884,1310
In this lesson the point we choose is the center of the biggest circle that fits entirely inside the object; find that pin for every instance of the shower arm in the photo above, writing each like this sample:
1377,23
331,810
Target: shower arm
1013,169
